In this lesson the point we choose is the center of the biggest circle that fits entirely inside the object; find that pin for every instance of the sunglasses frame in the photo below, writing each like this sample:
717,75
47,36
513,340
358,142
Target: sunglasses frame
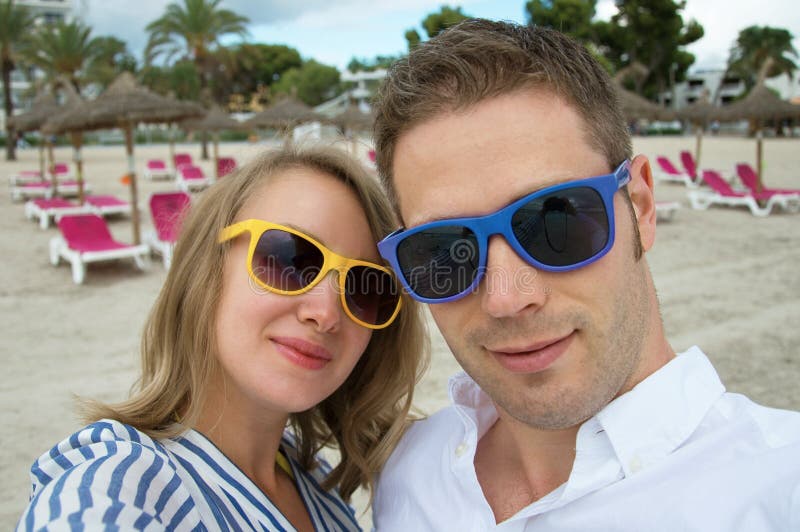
330,261
499,223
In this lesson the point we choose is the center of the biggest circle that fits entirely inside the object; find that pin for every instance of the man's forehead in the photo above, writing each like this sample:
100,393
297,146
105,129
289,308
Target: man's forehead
472,162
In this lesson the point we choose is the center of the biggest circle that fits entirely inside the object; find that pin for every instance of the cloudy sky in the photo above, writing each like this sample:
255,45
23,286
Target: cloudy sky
334,32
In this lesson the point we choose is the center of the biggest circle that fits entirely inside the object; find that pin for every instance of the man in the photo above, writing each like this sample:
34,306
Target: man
526,225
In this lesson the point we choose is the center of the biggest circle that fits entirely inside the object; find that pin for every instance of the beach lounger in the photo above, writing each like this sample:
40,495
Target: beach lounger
45,209
721,193
665,210
85,238
167,210
41,189
23,177
106,205
190,178
668,172
749,178
44,189
225,165
181,159
157,169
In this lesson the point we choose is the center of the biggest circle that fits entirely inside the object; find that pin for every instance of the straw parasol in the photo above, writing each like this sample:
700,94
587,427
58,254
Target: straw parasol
42,108
352,119
634,106
72,103
760,105
699,114
285,114
215,120
123,105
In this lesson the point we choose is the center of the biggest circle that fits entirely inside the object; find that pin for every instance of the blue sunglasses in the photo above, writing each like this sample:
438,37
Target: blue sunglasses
556,229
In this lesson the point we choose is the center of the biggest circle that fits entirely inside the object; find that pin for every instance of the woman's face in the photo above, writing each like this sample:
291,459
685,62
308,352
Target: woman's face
288,353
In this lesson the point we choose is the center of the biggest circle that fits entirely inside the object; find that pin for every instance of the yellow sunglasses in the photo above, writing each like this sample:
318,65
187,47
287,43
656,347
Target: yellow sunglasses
286,261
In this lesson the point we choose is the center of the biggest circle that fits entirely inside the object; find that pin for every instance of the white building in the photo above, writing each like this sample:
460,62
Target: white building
723,90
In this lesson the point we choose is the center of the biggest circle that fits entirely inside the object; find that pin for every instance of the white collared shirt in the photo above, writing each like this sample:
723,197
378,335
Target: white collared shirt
675,453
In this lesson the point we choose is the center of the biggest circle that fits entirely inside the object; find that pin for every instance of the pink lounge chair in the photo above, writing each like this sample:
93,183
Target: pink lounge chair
191,178
24,177
750,179
225,165
85,238
167,210
45,209
668,172
181,159
687,160
40,189
157,169
721,193
106,205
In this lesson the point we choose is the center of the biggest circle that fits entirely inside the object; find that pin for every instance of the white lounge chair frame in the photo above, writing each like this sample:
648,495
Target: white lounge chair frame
59,249
152,175
161,247
32,210
702,200
192,185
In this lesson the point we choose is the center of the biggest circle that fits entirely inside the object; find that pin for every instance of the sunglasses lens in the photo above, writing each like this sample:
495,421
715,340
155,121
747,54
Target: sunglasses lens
371,294
439,262
286,261
564,228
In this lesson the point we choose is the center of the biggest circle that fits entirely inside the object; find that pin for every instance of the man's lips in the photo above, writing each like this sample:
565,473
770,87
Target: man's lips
534,357
301,352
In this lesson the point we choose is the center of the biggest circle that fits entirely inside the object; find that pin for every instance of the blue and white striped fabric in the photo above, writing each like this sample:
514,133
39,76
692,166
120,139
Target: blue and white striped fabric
112,476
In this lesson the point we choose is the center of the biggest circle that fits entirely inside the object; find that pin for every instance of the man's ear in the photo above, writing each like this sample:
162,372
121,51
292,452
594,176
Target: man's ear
640,190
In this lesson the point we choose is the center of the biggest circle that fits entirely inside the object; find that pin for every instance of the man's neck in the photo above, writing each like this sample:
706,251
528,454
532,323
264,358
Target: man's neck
517,465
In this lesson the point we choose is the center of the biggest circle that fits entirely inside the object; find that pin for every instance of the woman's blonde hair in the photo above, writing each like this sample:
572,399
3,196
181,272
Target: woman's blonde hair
364,418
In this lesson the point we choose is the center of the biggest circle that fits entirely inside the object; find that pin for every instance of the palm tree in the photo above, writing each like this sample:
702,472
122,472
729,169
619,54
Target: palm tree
762,51
62,50
14,24
193,29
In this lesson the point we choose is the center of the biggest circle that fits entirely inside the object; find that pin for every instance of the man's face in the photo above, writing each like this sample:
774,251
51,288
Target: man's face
550,348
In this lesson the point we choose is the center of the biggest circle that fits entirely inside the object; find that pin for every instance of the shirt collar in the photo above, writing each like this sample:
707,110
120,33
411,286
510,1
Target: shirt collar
643,425
661,412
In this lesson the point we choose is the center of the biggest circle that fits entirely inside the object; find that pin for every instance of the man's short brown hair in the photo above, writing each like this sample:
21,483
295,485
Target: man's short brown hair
479,59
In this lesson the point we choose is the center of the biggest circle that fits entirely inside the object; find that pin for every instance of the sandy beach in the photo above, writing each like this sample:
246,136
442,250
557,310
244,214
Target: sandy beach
728,282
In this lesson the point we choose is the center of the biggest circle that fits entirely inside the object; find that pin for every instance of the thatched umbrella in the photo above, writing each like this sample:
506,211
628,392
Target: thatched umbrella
634,106
72,103
215,120
760,106
42,108
123,105
285,115
352,119
699,114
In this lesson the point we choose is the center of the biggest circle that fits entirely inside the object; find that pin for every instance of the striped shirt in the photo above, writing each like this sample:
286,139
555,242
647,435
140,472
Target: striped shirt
110,475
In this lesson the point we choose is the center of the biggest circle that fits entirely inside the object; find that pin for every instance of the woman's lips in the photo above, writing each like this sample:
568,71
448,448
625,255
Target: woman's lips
532,358
302,353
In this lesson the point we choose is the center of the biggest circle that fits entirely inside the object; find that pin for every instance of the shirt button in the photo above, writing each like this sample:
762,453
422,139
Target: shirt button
461,449
635,465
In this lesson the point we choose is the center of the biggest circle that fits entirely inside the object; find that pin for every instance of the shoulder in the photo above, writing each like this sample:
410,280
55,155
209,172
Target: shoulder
422,451
775,427
106,473
442,429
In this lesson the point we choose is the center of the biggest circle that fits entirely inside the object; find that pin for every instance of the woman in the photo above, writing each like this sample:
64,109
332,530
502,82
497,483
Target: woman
274,312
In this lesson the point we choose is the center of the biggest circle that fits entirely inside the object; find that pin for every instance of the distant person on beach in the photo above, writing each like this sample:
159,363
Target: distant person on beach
275,312
573,413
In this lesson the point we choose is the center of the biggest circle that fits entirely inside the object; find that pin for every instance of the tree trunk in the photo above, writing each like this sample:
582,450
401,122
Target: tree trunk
11,134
